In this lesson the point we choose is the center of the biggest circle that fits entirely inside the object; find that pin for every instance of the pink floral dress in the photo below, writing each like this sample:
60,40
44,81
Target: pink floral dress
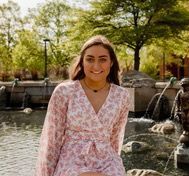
76,139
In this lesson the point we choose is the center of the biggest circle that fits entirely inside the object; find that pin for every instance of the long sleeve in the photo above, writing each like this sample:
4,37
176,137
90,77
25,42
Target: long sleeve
119,127
52,133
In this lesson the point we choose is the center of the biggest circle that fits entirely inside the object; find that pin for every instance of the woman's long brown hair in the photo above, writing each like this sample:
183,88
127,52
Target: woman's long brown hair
77,71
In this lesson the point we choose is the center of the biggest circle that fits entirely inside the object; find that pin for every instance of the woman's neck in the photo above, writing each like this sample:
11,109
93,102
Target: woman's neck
95,86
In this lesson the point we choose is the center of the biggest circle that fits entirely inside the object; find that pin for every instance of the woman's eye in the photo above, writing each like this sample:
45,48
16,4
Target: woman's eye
103,59
89,59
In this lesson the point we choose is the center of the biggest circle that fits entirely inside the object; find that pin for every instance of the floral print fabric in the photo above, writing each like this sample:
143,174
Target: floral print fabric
76,139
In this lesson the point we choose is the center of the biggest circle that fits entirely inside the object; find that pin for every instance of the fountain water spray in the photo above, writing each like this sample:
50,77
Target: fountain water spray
14,84
160,97
45,88
2,97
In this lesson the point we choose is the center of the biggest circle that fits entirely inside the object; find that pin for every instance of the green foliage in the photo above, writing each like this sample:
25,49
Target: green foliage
49,21
79,30
161,26
150,66
124,57
134,23
28,54
9,24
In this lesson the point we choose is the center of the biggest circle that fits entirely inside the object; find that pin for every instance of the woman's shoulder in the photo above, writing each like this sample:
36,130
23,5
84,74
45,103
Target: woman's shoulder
66,86
120,89
66,83
123,93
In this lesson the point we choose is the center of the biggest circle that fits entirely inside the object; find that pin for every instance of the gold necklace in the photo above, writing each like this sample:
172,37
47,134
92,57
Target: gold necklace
94,90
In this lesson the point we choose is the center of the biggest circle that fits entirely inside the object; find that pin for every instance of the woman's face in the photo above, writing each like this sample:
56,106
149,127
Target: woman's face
97,63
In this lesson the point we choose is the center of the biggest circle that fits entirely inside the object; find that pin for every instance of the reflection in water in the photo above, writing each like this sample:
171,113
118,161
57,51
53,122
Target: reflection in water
18,150
19,141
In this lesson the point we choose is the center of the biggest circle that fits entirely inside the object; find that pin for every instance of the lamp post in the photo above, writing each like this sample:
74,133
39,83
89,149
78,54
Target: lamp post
45,69
164,66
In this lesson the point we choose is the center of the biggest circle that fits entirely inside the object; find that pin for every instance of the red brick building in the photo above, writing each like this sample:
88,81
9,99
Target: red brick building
177,70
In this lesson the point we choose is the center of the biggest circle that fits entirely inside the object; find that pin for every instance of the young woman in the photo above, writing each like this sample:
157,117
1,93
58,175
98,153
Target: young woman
86,117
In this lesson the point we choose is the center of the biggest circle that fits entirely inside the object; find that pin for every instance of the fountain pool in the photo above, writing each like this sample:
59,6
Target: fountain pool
19,141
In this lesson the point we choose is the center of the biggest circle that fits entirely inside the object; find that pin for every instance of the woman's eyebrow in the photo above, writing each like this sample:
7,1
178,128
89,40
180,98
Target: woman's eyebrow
103,56
88,55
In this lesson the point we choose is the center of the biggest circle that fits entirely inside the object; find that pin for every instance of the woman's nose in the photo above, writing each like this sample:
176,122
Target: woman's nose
96,66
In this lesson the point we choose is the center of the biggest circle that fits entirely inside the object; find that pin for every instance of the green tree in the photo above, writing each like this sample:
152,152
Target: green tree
49,21
10,22
28,53
165,52
135,23
151,58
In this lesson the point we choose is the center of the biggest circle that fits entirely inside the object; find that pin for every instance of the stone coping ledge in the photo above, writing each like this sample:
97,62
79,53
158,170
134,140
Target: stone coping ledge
40,83
162,85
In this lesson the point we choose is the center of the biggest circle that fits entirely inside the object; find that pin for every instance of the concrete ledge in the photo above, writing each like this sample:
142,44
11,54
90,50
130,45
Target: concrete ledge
140,97
37,92
40,94
30,83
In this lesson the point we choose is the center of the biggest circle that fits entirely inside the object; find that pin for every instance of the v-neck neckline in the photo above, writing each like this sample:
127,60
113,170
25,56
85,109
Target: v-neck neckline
89,102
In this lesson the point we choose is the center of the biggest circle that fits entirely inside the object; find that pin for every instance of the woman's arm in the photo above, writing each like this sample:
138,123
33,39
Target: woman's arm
52,133
119,127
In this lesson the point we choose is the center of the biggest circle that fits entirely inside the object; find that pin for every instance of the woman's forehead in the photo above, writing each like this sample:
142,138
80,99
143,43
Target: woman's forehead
97,49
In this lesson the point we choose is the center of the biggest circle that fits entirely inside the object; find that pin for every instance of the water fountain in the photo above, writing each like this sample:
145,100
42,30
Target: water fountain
22,94
174,105
161,110
44,99
157,159
46,82
25,100
14,84
150,153
173,157
17,98
2,97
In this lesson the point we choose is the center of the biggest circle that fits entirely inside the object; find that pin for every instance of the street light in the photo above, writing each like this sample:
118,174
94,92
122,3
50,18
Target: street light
45,70
164,66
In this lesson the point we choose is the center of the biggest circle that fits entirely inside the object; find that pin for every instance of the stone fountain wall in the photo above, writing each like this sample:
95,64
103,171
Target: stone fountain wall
141,91
37,92
142,88
141,96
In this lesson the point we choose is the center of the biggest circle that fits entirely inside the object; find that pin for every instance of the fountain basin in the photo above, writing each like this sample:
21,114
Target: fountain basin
20,133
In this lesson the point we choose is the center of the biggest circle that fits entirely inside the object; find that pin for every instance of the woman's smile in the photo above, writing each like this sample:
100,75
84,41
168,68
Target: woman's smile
96,72
97,63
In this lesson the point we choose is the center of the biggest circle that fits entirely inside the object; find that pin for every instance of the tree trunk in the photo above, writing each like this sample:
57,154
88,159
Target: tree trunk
137,59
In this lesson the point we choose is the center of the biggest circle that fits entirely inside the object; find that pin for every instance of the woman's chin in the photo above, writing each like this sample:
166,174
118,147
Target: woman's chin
97,79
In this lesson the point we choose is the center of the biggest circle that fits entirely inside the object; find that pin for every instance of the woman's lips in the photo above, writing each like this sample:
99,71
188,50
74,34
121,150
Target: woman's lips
96,72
